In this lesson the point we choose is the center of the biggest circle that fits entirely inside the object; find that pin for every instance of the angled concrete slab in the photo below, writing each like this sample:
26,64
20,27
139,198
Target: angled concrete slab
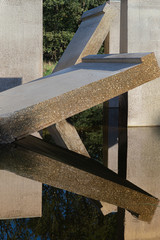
89,36
38,104
61,168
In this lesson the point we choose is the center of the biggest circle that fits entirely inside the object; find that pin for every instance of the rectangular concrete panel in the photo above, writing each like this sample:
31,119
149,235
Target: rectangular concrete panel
21,39
38,104
144,35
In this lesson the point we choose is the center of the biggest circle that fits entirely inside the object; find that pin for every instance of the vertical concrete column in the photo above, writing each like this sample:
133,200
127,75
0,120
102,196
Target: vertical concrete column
20,62
144,36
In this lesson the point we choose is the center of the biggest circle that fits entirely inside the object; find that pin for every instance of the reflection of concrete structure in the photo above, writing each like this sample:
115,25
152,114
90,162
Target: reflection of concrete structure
20,62
19,197
61,168
143,170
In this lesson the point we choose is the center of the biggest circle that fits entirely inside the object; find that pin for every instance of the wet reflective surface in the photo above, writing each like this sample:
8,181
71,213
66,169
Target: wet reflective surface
59,214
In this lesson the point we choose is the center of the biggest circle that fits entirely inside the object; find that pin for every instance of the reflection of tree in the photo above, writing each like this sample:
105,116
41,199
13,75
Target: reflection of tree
66,216
69,216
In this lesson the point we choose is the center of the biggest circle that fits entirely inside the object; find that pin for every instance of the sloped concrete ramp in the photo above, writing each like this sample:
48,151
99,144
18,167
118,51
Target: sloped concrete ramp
43,102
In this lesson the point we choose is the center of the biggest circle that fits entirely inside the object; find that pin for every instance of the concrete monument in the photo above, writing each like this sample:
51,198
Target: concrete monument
20,62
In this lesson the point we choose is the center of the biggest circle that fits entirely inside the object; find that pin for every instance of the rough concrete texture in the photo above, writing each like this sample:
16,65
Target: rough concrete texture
41,103
21,39
61,168
143,167
89,37
143,36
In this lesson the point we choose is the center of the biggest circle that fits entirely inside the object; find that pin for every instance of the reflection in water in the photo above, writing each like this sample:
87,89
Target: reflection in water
61,168
19,197
144,170
76,216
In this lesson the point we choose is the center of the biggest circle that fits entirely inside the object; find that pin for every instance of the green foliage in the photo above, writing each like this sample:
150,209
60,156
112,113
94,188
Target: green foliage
48,68
60,21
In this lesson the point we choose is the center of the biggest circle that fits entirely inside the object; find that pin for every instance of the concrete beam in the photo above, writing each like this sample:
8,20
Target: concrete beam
89,36
38,104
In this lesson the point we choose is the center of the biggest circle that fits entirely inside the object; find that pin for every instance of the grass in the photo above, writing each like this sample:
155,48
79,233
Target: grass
48,68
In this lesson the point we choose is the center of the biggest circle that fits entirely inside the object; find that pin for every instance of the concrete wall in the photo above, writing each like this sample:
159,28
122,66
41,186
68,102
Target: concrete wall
20,62
21,39
143,36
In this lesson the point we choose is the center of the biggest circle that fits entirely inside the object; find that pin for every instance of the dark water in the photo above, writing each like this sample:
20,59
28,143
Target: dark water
33,204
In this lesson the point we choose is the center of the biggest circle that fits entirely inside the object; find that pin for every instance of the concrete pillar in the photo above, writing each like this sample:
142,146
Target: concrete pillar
143,36
20,62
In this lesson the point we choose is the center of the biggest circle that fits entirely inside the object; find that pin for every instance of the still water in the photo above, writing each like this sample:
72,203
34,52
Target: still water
33,204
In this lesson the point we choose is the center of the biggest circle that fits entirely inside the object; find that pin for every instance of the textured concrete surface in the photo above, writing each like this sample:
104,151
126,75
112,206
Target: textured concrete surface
143,36
21,39
61,168
143,170
20,62
89,36
63,94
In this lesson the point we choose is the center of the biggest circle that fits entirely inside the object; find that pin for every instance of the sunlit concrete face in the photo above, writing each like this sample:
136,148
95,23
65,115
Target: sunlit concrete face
143,168
21,39
144,34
